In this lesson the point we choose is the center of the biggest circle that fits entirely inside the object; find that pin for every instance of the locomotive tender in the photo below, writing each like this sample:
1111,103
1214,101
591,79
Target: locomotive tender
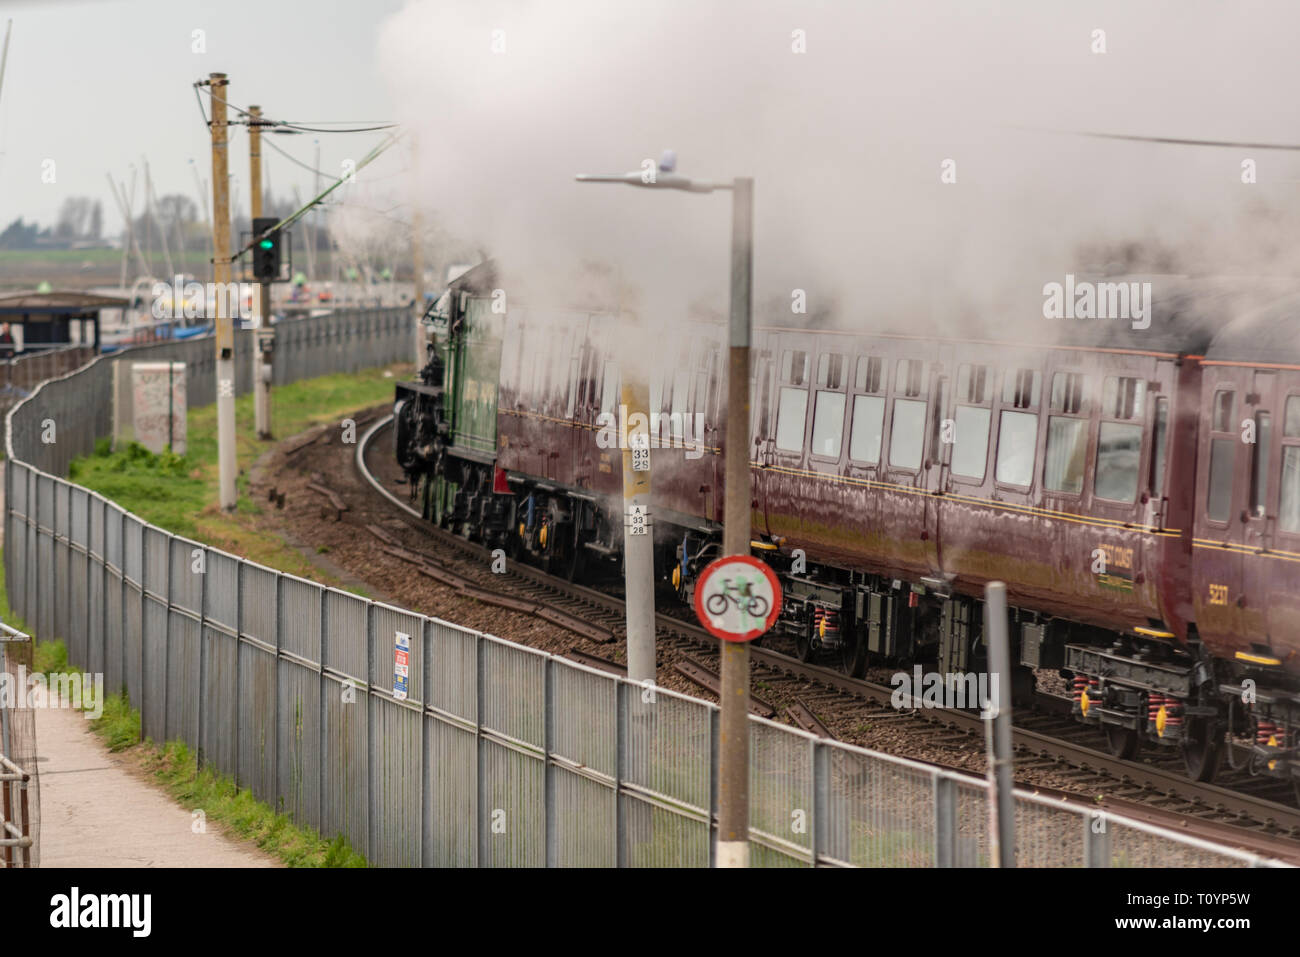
1138,492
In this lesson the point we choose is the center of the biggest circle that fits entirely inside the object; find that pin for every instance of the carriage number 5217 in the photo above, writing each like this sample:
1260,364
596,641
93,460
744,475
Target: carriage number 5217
1218,594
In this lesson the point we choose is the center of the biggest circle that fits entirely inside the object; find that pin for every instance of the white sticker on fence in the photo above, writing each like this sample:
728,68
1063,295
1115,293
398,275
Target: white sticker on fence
401,663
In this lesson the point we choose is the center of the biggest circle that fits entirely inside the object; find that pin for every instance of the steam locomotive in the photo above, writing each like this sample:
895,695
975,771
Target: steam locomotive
1138,492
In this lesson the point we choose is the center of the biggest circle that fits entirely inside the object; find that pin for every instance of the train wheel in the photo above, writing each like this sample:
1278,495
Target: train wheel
1202,749
575,568
853,653
1123,742
803,647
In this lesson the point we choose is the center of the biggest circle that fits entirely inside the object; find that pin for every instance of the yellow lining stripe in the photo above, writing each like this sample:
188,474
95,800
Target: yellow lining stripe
1153,633
1257,659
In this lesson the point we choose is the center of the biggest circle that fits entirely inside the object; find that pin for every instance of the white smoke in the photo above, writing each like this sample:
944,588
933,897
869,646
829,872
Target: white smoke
846,143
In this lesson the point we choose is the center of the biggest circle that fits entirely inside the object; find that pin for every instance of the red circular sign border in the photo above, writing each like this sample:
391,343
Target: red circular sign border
777,593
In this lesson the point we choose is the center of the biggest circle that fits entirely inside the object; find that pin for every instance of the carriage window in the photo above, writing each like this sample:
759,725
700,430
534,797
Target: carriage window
1067,392
910,380
970,449
973,385
1291,424
1158,447
794,367
609,389
1223,404
1222,456
828,424
1259,480
1017,437
907,434
1067,447
1121,397
1119,449
1288,512
868,420
790,417
1020,389
830,372
870,373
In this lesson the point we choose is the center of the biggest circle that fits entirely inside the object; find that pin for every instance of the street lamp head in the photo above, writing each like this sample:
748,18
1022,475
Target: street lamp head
657,181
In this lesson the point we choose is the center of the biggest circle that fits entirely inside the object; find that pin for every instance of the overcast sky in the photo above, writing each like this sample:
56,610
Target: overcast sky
96,84
845,112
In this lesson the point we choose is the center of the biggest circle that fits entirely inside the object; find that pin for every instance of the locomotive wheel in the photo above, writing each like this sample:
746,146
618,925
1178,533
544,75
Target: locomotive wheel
853,653
1123,742
1202,749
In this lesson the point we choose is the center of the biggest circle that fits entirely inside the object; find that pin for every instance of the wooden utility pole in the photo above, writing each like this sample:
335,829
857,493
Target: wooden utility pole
265,335
225,330
417,254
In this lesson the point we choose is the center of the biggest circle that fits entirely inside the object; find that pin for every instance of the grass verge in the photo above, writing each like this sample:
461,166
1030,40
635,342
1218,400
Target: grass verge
179,492
175,768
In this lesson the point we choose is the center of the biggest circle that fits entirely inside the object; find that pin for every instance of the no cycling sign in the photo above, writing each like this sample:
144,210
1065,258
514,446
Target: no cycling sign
737,598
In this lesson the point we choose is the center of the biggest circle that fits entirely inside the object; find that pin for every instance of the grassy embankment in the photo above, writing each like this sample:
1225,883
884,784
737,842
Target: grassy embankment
178,493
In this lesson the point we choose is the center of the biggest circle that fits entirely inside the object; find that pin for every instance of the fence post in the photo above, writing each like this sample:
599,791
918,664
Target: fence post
481,832
239,667
167,643
203,655
548,766
821,786
144,632
322,711
426,743
103,592
123,589
945,820
620,772
715,752
278,788
1096,840
371,823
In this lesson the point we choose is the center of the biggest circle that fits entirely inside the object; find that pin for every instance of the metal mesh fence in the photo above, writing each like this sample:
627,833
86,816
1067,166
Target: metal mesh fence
428,744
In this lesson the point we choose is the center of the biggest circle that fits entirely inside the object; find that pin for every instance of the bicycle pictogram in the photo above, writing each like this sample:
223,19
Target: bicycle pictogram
742,595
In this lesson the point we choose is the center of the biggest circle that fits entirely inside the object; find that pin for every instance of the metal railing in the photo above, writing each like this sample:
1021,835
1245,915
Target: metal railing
21,374
488,753
19,785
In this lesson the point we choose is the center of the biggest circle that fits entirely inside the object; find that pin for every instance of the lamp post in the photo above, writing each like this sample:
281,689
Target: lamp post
733,772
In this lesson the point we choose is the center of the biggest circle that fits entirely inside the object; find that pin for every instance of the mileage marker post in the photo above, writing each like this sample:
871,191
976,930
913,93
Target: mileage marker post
733,772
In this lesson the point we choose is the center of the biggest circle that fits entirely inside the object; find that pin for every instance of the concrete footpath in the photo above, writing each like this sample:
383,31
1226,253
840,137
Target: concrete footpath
97,810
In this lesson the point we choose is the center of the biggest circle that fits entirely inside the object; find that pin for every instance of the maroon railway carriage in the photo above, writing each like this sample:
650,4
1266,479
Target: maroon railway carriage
895,475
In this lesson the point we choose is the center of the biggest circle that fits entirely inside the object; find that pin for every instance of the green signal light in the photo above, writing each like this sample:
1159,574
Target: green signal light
267,244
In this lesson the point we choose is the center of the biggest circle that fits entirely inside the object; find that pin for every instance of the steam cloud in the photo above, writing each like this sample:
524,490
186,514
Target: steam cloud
846,141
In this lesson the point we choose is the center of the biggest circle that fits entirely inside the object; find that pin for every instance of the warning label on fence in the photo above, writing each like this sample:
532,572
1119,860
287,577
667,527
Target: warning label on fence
401,662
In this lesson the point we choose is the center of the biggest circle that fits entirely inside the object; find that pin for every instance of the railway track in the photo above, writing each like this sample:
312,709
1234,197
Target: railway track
1247,811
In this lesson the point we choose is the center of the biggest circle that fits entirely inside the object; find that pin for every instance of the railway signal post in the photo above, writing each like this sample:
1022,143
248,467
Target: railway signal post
225,331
